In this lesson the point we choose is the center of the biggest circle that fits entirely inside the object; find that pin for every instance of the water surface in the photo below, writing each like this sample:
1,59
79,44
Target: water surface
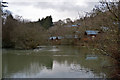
55,62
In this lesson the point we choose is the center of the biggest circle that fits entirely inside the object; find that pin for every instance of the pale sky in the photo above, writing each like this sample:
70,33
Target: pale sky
58,9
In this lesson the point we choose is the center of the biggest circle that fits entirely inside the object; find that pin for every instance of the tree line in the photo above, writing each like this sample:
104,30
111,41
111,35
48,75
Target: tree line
25,35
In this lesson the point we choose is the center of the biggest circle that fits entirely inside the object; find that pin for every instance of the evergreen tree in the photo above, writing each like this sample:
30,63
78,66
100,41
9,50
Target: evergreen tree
46,22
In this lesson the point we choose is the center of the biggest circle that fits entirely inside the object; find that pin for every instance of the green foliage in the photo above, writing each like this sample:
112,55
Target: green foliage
46,22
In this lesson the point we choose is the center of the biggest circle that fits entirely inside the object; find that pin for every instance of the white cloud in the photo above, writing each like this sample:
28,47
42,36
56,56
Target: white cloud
59,9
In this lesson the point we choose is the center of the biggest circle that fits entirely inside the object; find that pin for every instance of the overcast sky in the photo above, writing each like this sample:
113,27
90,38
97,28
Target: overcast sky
58,9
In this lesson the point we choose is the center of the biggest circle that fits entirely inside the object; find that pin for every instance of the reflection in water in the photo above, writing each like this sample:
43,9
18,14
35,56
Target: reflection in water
91,57
69,62
54,49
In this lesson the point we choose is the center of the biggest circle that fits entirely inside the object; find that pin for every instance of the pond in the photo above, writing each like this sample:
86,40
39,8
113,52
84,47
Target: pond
55,62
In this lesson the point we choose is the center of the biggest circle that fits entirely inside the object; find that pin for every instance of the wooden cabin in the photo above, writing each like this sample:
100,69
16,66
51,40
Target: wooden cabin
91,33
55,39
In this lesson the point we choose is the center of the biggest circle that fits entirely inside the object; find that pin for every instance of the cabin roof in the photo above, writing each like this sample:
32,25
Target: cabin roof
55,37
73,25
89,32
52,37
104,28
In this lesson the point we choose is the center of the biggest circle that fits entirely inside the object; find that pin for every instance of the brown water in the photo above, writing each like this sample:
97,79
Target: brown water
55,62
